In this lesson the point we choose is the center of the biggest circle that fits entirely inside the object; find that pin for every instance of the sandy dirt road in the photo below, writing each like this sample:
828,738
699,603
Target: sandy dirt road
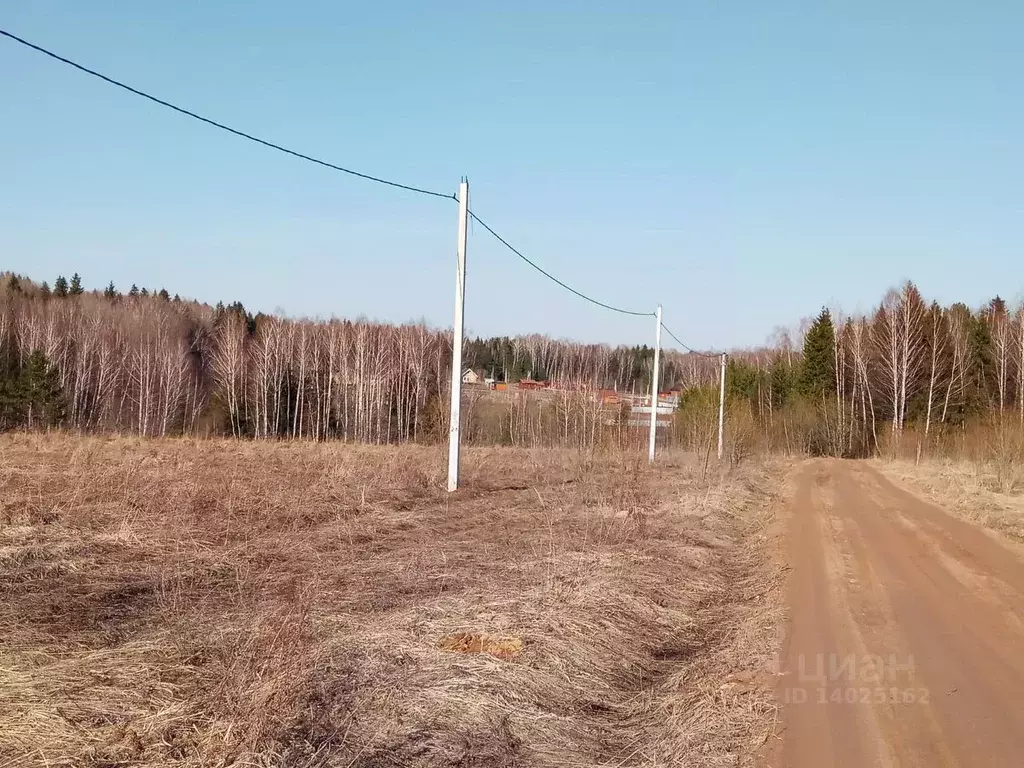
905,644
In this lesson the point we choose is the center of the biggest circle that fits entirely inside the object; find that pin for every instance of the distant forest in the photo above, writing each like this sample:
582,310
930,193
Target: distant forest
859,385
147,363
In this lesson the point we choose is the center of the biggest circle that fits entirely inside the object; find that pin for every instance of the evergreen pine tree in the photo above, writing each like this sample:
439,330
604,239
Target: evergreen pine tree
980,367
40,392
742,380
164,294
10,402
44,290
60,287
134,291
781,383
144,292
110,292
818,374
10,387
14,284
76,285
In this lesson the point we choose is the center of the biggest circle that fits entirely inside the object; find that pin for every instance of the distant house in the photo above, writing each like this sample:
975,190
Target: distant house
469,376
529,384
669,398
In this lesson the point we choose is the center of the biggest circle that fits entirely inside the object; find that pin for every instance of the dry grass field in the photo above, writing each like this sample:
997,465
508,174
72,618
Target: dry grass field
215,603
990,494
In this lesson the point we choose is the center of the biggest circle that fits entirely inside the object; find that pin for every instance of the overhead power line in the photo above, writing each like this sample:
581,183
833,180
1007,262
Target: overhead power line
318,161
688,348
222,126
551,277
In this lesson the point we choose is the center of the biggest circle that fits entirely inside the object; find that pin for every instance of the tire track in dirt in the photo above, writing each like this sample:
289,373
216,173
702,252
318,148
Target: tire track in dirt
905,644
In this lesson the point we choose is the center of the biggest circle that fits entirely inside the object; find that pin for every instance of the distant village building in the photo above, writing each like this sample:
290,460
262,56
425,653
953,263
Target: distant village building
469,376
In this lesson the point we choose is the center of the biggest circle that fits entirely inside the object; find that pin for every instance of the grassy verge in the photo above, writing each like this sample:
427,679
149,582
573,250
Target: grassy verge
209,603
978,492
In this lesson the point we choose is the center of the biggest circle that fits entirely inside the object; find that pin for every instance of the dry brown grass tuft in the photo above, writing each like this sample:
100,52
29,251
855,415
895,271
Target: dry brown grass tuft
191,603
985,493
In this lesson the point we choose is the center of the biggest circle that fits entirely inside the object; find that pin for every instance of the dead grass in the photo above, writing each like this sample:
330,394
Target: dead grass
985,493
215,603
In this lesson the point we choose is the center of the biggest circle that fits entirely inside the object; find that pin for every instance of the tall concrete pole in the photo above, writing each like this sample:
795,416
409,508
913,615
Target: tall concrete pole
454,436
654,386
721,410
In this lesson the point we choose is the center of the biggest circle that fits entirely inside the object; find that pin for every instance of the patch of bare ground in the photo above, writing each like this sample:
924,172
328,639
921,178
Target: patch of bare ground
990,494
191,603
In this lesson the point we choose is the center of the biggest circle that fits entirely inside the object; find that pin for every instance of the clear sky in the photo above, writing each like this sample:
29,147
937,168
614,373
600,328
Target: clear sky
743,163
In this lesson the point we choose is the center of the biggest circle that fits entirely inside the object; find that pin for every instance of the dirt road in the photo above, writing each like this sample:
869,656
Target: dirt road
906,638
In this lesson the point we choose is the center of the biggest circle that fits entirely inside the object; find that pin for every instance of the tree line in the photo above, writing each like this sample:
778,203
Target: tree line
541,358
149,364
854,385
146,363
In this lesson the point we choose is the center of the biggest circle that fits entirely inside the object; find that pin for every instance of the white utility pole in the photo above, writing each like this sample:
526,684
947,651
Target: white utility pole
654,386
721,409
460,302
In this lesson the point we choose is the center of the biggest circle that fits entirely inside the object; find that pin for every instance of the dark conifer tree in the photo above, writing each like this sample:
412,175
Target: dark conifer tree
818,374
781,383
40,392
981,367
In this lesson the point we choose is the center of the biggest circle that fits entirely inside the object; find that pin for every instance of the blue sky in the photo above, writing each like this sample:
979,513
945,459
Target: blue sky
741,162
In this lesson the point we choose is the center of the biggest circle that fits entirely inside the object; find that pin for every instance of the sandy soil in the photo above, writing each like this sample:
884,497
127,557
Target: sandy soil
905,644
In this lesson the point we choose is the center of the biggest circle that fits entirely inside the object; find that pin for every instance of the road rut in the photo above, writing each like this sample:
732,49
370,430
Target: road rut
905,644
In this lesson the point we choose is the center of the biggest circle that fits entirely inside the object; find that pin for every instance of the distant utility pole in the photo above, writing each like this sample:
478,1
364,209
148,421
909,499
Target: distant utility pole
454,437
654,386
721,409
